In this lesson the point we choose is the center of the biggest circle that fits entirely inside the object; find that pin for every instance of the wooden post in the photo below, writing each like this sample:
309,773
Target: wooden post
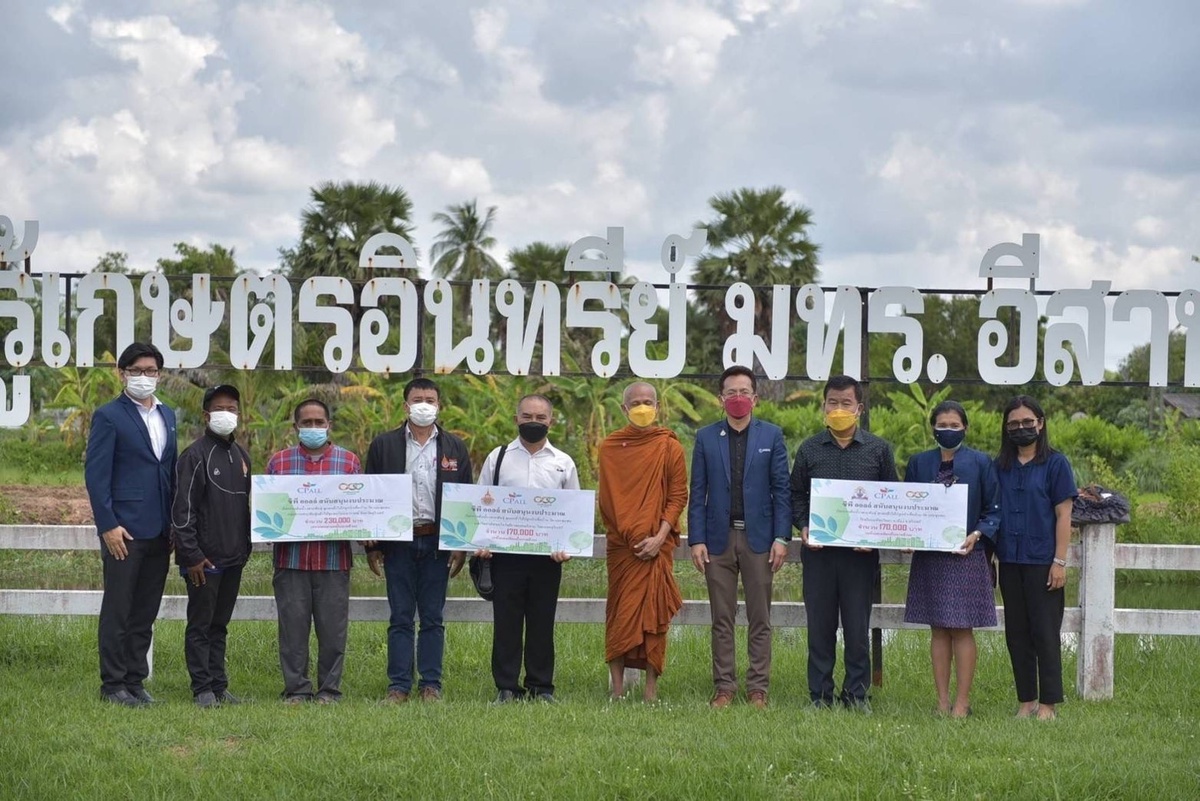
1097,598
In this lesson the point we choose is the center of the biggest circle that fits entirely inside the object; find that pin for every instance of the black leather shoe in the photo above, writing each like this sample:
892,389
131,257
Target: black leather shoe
206,699
546,698
505,697
141,696
120,698
226,697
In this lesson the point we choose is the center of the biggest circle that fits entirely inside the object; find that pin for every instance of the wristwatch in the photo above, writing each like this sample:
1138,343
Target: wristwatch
1060,562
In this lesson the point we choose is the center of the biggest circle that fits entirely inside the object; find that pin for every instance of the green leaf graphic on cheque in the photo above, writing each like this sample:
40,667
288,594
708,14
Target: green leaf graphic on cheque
818,520
446,524
398,523
462,530
266,532
579,541
954,534
276,513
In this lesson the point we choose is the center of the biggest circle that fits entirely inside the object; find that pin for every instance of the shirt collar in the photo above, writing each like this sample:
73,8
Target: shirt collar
858,436
409,436
548,448
141,406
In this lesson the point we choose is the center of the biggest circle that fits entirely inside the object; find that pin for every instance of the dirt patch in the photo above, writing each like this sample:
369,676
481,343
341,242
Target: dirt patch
46,505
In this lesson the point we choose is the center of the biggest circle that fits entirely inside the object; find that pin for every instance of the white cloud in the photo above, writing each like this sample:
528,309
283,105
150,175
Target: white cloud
64,14
683,43
463,176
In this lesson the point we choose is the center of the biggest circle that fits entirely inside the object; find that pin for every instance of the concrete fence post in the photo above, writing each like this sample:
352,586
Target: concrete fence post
1097,599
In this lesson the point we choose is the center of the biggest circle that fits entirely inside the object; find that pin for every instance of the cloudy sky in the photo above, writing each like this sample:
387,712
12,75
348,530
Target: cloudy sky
919,132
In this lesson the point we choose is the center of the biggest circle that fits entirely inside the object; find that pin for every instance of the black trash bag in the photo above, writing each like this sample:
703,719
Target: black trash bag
1095,504
481,577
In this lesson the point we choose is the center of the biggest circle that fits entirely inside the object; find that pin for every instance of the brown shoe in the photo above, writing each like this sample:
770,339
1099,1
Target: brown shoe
396,697
757,699
431,694
722,699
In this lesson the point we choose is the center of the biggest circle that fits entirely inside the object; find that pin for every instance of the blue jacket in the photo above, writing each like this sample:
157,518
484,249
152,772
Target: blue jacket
126,484
977,471
766,488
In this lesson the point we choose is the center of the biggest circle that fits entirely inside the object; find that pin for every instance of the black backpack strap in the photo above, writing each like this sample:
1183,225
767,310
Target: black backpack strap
499,461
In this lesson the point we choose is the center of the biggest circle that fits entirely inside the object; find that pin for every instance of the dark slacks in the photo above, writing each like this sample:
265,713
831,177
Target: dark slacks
305,598
133,590
1032,626
721,575
838,581
210,606
525,601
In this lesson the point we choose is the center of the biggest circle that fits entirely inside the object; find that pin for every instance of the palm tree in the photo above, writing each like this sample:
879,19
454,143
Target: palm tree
758,237
460,250
540,261
339,221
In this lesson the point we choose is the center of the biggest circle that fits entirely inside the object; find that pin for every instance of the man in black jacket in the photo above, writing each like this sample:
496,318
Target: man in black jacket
210,520
418,572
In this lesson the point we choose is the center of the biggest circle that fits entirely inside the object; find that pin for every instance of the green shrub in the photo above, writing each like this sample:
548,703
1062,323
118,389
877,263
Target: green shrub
42,455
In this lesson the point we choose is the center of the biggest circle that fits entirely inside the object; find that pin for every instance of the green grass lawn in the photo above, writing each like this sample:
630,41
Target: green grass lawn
58,741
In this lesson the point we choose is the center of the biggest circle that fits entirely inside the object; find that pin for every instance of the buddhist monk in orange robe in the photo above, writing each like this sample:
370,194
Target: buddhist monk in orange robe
643,491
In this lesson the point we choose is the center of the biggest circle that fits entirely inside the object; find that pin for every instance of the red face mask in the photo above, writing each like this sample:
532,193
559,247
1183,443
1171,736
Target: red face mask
738,406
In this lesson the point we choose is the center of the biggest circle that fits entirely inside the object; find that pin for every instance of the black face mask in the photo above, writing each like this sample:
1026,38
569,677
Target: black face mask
533,432
1023,436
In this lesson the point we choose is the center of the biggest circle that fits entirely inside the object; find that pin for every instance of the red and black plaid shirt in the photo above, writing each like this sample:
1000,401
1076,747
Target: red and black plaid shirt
295,461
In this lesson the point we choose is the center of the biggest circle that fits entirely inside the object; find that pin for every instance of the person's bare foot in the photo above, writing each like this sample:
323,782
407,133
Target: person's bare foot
960,710
1027,709
1046,712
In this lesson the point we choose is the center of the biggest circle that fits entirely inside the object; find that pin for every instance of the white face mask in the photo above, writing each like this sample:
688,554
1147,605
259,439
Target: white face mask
141,386
222,423
422,414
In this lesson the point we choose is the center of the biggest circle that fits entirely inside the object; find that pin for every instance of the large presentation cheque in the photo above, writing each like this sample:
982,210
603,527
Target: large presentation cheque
517,520
878,514
353,507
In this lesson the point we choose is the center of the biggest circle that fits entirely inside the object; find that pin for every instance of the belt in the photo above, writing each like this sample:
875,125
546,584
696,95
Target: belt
424,529
737,524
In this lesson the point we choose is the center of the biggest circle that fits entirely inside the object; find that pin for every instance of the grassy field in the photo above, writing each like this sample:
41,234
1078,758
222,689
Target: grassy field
60,742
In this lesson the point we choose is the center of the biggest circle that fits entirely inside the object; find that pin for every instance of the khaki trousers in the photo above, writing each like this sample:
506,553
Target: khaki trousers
721,576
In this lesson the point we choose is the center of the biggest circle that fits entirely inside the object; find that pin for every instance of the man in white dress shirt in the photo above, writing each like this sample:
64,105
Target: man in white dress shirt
526,585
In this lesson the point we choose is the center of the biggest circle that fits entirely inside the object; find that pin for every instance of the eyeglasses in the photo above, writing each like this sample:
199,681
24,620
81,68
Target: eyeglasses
151,372
1017,425
738,393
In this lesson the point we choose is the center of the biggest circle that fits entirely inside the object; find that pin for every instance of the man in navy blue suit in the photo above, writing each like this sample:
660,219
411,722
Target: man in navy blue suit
130,477
740,521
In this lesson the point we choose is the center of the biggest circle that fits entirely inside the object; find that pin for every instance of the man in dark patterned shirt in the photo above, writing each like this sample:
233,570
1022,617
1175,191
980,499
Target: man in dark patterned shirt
838,580
312,579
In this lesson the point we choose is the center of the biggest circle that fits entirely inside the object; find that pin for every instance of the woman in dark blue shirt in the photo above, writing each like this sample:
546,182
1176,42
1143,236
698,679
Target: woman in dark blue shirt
1037,487
952,591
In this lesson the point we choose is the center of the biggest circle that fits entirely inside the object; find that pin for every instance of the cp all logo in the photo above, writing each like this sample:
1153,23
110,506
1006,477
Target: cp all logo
350,488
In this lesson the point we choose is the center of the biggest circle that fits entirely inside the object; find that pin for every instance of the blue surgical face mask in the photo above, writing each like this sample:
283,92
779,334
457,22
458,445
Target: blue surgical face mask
950,438
314,438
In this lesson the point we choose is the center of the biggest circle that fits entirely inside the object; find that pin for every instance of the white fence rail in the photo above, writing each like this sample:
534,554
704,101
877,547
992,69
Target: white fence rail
1095,620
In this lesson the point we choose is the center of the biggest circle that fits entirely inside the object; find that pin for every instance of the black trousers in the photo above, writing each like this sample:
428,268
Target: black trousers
210,606
838,581
1032,626
526,598
133,590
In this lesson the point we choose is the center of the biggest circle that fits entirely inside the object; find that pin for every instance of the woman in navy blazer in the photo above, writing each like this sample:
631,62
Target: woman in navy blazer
952,591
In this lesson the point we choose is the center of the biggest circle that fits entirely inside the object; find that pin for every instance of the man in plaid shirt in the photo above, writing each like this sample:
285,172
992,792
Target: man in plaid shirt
312,579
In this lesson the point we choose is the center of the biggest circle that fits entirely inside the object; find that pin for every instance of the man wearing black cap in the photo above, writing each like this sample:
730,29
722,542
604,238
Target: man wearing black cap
210,521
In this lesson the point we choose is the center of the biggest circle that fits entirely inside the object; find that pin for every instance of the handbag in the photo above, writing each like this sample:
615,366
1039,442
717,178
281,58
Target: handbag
481,569
1096,504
